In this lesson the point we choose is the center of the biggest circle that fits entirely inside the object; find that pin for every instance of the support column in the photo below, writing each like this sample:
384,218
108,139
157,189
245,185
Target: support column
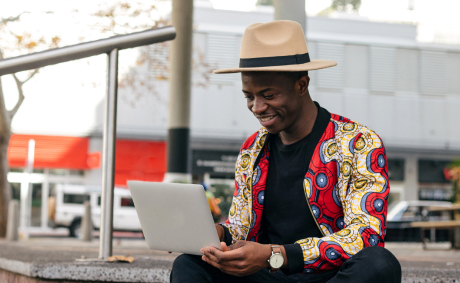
45,196
108,157
410,178
178,168
293,10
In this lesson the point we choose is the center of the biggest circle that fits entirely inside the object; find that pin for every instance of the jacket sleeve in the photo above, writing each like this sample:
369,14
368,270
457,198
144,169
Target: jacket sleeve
238,221
363,189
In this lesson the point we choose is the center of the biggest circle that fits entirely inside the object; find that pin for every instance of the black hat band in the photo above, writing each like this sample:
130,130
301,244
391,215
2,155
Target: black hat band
274,61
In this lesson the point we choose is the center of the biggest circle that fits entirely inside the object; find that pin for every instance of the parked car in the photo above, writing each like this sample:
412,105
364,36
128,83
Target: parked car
401,214
66,209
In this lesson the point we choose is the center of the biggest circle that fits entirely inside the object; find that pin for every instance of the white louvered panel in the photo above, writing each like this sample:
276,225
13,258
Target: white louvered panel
222,51
331,78
383,69
433,72
357,66
312,53
407,70
159,61
453,73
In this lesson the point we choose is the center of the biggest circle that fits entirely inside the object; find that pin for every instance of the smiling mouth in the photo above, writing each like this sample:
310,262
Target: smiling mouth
265,119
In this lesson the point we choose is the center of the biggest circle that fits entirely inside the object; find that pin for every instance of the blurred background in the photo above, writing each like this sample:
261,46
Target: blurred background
398,73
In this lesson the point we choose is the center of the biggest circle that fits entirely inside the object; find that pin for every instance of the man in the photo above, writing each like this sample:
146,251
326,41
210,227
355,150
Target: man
311,187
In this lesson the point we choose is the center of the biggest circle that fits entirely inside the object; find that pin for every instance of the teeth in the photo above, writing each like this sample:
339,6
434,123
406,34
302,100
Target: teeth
266,119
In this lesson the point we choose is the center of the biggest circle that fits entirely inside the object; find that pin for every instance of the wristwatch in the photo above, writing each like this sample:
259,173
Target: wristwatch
276,260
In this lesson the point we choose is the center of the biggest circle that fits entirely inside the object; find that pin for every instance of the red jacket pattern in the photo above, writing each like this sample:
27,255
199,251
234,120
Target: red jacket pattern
346,187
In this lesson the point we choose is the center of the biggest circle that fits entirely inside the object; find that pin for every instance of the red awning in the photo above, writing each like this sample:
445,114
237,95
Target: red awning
52,152
134,160
139,160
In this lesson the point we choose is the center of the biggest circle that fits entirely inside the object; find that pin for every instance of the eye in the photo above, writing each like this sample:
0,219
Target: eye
249,97
269,96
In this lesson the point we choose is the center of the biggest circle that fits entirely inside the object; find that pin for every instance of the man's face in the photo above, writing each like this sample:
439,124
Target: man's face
273,98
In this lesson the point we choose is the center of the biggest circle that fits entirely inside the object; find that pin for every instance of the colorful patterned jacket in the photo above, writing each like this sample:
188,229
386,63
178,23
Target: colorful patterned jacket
346,187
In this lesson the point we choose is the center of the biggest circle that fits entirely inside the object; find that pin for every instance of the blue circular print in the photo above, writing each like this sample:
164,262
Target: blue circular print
260,197
321,180
381,161
309,270
339,223
315,210
332,254
373,240
254,219
257,178
378,205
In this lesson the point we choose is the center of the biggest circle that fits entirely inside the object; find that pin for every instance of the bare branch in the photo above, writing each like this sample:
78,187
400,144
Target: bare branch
12,19
31,75
19,84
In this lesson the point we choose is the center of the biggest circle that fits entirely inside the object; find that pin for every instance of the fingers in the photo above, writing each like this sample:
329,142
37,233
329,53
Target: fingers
229,255
214,258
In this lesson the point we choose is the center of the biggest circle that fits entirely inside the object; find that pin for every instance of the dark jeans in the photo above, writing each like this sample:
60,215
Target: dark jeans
372,264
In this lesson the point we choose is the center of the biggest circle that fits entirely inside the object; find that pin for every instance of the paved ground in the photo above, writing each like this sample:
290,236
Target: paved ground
54,258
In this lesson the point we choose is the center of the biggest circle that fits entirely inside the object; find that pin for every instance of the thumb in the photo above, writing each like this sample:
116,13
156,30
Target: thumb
224,247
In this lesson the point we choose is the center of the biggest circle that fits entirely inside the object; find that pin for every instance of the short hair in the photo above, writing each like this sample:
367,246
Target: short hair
295,76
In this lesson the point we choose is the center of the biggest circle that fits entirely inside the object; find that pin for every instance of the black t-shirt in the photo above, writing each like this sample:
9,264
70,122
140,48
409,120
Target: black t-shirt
285,204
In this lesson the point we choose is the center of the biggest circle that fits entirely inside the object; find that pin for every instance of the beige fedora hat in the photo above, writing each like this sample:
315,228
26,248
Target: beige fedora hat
277,46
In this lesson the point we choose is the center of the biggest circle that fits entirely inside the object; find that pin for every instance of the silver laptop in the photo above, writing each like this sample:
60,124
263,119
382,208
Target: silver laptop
174,217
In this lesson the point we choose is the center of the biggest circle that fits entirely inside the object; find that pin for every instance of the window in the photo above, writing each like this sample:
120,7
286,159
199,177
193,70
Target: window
127,202
396,169
75,198
432,171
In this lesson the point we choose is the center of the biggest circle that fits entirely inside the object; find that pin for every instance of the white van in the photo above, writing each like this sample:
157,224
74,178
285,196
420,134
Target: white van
67,209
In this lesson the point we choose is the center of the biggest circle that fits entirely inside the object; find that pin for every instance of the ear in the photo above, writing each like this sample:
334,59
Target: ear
302,85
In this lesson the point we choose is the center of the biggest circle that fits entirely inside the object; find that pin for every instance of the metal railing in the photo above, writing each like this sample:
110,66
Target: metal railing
111,46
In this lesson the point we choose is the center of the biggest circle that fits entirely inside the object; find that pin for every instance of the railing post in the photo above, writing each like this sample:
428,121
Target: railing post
108,157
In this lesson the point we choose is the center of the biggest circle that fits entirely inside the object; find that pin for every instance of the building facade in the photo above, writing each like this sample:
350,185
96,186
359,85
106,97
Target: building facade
406,91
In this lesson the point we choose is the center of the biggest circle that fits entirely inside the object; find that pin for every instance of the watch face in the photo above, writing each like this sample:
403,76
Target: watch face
276,261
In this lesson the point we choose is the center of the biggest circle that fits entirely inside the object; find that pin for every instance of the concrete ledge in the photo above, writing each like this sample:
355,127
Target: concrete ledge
158,271
53,260
89,272
48,261
15,266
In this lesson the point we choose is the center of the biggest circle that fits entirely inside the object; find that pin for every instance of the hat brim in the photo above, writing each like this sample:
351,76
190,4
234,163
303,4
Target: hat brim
312,65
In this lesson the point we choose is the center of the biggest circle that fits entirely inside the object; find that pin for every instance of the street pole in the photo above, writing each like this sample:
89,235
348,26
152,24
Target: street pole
108,157
26,192
293,10
178,168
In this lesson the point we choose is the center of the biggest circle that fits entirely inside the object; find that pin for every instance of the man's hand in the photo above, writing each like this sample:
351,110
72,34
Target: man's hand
241,259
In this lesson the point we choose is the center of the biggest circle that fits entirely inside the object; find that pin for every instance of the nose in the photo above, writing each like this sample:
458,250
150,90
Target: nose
258,106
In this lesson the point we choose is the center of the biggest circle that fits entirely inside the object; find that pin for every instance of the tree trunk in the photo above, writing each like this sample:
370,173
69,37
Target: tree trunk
5,134
5,189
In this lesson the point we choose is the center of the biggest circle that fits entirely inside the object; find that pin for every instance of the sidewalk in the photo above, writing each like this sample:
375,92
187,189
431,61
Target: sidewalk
53,259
